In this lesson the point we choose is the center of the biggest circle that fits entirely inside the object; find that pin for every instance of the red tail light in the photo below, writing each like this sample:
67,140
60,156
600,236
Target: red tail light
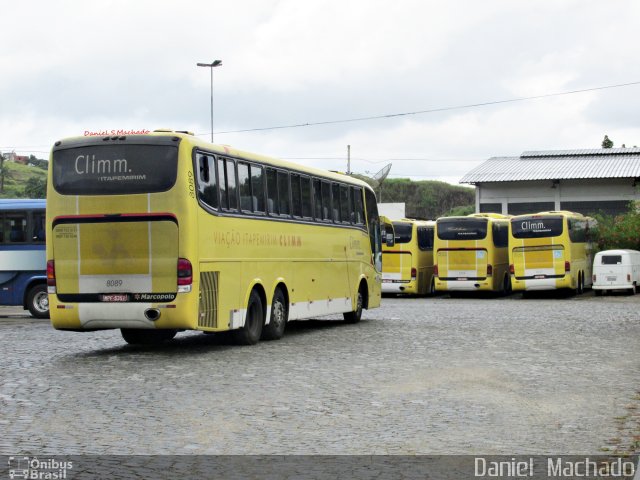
628,277
489,270
414,273
594,278
185,273
512,269
51,275
567,266
435,269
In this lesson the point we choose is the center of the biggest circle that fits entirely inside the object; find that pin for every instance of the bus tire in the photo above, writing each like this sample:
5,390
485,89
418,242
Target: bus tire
580,284
274,330
356,315
145,336
253,323
432,288
38,301
506,286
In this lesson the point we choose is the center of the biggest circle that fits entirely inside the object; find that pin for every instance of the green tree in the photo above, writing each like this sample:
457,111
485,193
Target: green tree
620,231
35,188
5,172
607,143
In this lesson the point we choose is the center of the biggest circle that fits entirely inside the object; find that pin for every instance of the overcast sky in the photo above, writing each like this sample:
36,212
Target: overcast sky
72,66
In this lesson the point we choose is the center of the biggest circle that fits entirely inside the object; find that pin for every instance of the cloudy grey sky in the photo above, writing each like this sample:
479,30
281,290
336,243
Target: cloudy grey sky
70,66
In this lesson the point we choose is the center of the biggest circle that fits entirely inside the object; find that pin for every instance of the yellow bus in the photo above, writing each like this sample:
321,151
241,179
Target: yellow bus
471,253
407,265
551,250
163,232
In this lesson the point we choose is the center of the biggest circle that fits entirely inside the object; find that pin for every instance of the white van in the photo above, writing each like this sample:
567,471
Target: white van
616,270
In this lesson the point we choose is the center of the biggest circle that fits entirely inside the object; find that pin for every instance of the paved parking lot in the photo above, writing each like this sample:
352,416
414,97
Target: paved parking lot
417,376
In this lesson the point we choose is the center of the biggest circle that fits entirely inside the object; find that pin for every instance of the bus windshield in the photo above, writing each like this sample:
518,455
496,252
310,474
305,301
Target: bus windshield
114,169
462,228
536,227
402,231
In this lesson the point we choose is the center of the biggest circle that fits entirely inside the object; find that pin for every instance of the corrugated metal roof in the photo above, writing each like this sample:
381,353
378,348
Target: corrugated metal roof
559,165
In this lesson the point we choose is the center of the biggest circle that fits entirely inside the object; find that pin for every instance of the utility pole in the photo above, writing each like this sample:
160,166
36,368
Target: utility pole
348,159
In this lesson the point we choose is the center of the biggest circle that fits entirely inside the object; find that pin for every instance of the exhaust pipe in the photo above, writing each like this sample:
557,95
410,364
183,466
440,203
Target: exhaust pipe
152,314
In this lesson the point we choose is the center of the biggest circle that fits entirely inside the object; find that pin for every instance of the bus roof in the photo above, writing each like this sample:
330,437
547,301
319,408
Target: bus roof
222,150
556,213
22,203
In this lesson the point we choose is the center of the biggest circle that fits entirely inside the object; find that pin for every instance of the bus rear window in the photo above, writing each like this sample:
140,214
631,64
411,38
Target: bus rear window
462,229
536,227
114,169
611,259
403,231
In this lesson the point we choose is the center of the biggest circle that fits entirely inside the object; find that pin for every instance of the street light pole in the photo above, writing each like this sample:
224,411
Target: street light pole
212,65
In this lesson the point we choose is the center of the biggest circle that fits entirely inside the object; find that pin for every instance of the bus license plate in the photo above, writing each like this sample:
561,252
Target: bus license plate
540,276
114,297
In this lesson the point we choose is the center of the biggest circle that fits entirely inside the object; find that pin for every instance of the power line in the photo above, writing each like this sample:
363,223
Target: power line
431,110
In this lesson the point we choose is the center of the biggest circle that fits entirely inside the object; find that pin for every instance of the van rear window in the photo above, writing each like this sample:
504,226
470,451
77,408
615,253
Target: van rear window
611,259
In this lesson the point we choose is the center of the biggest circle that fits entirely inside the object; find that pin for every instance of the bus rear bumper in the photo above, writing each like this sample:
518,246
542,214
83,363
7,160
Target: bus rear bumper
541,284
485,285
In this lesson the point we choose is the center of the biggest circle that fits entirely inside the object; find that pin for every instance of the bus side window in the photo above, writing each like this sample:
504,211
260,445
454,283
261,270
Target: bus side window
17,229
283,192
207,185
39,232
358,206
345,202
244,186
305,183
222,182
272,191
317,200
335,196
326,201
373,221
296,195
232,188
257,188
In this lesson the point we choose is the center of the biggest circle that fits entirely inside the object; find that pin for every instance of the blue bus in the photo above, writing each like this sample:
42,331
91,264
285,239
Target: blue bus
23,264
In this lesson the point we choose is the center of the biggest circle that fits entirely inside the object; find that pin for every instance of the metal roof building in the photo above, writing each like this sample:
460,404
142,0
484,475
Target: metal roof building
587,181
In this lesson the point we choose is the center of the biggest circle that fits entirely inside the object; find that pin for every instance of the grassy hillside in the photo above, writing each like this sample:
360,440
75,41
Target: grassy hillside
428,199
23,181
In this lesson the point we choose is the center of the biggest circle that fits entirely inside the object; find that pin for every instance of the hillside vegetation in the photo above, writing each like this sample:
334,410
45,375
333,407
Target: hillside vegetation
427,199
23,181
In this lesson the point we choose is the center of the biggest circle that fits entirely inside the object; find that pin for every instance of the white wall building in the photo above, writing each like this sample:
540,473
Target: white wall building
586,181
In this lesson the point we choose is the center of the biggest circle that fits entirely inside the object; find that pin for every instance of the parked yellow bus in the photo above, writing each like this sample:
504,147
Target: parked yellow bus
551,250
471,253
163,232
407,266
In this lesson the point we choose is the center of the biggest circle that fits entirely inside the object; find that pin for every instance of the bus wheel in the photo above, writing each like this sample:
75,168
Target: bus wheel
506,286
279,313
38,301
354,317
250,333
145,336
432,288
580,284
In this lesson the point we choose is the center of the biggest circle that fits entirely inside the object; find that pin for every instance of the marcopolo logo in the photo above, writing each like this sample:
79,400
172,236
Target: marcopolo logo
38,469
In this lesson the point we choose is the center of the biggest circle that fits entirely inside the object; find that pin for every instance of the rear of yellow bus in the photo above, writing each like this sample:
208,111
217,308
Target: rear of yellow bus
121,233
540,253
399,273
461,254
